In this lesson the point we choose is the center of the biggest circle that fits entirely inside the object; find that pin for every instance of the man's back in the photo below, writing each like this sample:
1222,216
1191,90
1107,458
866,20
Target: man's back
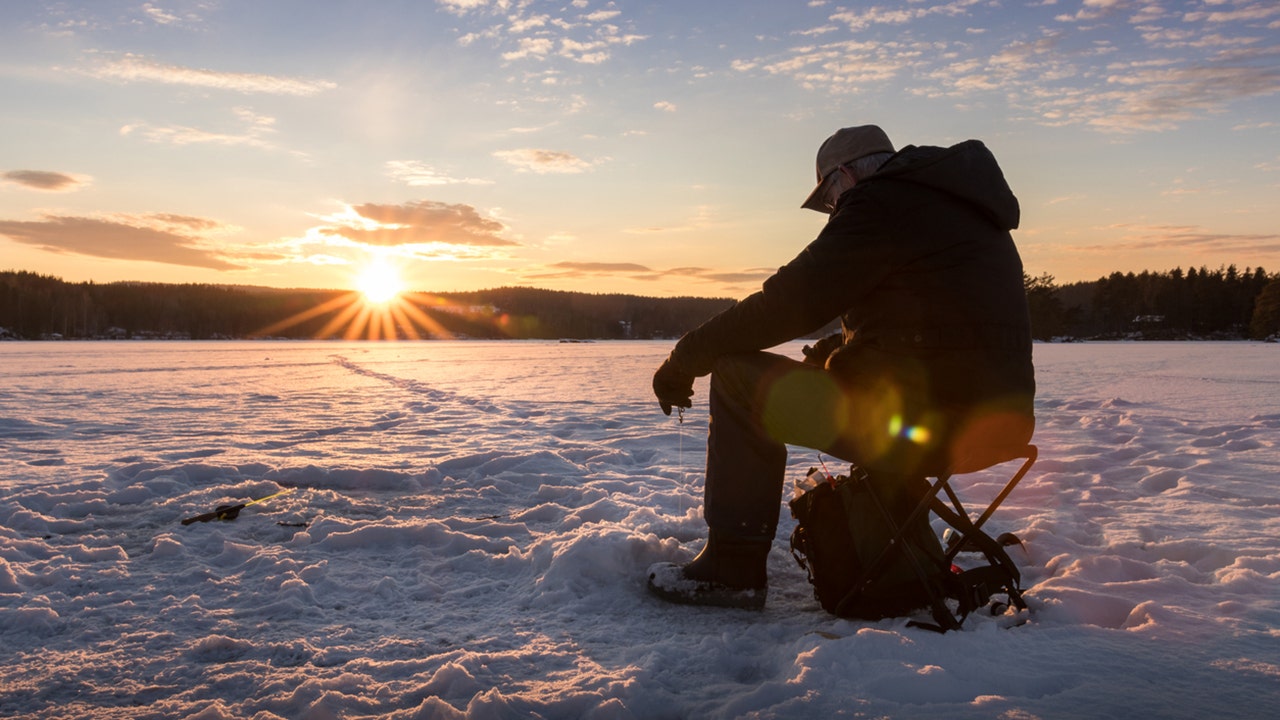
945,325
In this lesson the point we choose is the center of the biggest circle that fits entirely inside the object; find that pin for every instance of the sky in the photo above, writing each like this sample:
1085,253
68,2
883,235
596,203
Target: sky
657,148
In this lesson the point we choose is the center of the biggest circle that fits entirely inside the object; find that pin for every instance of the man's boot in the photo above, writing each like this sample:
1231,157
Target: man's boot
731,571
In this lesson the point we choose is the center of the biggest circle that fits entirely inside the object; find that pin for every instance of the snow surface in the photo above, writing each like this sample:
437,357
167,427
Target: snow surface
479,517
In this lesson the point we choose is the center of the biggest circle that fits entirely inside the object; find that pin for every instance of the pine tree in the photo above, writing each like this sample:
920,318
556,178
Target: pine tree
1266,312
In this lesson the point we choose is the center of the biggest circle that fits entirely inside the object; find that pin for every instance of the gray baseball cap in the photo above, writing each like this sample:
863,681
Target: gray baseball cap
845,146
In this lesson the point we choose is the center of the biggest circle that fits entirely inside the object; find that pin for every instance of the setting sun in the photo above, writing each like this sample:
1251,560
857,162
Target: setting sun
379,307
379,282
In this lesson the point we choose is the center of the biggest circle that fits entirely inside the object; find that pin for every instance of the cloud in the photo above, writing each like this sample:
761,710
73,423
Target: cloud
1191,238
737,277
635,271
530,47
416,174
1115,66
256,133
592,52
417,223
1181,75
1074,197
1161,98
703,217
665,106
1250,12
566,33
846,66
582,270
46,181
171,239
462,6
1093,10
862,19
159,16
601,15
602,268
135,68
544,161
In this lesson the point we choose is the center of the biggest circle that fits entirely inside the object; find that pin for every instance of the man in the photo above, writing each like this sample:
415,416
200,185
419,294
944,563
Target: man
931,372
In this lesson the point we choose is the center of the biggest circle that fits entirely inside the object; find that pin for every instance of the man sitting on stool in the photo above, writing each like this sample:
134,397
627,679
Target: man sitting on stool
933,366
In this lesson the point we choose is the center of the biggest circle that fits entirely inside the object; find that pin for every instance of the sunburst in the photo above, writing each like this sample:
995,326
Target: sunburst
380,309
380,282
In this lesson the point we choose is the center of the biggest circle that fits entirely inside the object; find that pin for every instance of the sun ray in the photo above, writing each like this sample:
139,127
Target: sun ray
359,315
357,326
342,318
402,321
305,315
374,322
417,316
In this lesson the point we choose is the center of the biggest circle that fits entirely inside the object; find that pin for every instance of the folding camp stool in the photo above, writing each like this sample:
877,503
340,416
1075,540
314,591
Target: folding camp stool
972,588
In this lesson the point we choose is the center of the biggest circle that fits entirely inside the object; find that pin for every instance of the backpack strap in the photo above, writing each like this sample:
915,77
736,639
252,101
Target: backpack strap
1000,574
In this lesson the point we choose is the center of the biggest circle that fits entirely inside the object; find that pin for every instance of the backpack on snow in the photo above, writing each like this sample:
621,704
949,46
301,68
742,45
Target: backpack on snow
870,552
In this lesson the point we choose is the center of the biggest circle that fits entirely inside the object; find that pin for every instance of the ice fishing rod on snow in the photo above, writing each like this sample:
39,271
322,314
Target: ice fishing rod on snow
231,512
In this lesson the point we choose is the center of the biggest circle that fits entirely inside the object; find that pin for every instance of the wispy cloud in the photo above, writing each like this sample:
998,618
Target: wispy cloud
163,16
161,238
135,68
544,161
425,222
1074,197
1253,11
1191,239
602,268
46,180
462,6
416,174
860,19
570,270
568,33
748,276
843,66
1092,10
535,47
703,217
1113,65
1161,98
256,131
601,15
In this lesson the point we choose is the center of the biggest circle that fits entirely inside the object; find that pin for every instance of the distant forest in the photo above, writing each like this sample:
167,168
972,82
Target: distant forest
1173,305
1222,304
39,307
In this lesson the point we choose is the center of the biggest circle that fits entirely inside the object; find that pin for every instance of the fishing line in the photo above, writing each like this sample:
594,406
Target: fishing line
680,457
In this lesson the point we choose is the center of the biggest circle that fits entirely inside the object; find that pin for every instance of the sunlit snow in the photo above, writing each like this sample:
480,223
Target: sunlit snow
470,523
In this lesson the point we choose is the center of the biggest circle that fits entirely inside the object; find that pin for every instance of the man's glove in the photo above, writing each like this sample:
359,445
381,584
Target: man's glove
821,350
673,386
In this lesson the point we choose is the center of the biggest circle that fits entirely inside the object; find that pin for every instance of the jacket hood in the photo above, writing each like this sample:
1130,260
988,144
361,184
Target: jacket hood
968,171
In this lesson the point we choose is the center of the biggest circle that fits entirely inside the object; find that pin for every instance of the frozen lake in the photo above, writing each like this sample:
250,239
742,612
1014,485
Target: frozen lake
469,524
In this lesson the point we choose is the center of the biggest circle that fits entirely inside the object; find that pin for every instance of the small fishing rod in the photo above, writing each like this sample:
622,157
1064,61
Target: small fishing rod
231,512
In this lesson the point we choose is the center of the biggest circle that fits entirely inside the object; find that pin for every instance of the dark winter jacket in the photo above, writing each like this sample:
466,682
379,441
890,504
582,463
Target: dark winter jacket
918,263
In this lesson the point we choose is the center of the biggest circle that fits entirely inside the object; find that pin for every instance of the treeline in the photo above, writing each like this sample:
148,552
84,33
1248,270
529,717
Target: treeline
1196,304
1173,305
34,306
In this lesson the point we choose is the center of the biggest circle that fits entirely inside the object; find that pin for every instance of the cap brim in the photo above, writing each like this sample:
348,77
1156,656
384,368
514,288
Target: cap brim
815,201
